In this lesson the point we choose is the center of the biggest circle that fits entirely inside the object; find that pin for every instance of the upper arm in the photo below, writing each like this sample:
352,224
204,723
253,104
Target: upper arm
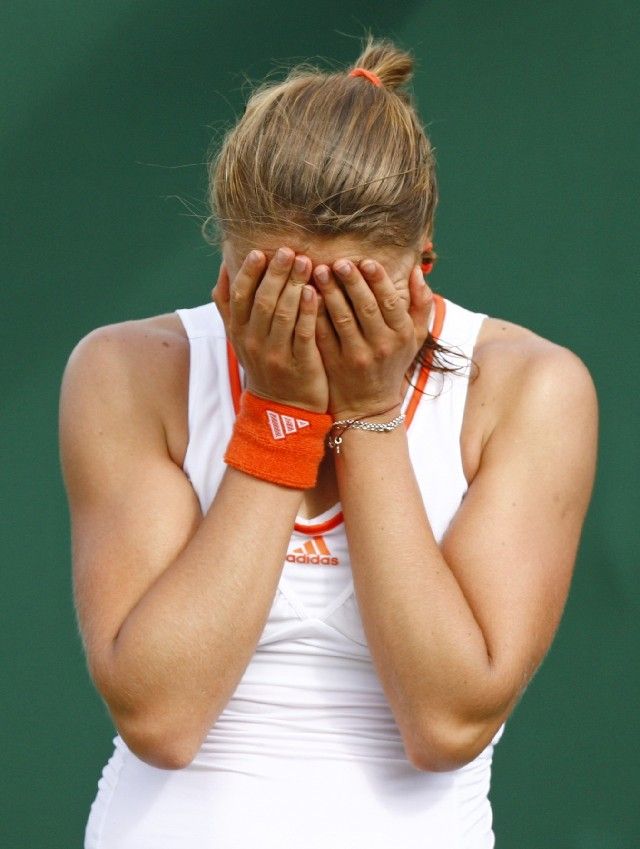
132,508
513,542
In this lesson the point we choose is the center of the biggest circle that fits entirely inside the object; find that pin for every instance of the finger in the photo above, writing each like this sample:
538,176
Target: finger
304,337
268,292
326,339
421,300
285,313
389,299
365,305
337,307
243,287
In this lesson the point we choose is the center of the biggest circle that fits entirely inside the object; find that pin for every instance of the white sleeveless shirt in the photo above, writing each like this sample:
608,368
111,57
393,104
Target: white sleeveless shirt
307,751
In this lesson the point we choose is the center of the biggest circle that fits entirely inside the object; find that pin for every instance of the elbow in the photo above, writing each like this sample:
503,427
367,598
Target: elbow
451,747
159,755
157,745
154,734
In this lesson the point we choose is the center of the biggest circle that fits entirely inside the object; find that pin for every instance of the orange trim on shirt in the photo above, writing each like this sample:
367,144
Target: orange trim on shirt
234,377
438,321
418,389
321,527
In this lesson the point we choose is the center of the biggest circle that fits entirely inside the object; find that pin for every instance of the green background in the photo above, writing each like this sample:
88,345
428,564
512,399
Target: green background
107,111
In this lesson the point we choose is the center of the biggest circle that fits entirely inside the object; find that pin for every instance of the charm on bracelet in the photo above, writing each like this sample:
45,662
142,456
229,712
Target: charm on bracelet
335,441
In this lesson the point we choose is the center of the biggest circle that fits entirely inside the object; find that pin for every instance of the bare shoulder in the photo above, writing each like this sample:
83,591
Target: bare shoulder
523,375
134,345
141,365
514,361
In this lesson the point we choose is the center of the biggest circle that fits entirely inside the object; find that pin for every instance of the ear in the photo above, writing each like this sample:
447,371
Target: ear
221,293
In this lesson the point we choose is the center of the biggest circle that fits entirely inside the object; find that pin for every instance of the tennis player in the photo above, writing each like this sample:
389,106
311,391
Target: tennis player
324,524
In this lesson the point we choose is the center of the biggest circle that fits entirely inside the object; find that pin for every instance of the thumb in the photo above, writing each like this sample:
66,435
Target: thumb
421,298
221,292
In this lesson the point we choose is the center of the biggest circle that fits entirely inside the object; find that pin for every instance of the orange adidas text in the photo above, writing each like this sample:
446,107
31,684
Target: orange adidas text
322,559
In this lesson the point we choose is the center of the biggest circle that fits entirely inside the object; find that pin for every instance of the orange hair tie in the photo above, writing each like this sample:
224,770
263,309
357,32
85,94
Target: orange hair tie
362,72
277,443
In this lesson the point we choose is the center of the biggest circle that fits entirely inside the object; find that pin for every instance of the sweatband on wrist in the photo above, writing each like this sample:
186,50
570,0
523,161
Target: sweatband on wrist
277,443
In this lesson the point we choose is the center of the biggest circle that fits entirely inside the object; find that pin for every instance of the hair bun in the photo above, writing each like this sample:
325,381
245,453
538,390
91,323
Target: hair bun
393,66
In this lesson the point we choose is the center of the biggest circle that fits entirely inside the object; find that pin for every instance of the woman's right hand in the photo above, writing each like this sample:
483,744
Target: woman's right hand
271,323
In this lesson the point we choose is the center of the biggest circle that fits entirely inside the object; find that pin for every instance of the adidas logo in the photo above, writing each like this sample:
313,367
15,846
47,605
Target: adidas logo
281,426
313,551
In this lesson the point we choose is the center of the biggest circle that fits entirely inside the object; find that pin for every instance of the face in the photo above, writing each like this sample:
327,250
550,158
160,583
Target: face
397,262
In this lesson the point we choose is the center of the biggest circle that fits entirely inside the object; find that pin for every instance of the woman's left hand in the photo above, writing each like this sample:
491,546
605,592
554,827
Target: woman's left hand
368,338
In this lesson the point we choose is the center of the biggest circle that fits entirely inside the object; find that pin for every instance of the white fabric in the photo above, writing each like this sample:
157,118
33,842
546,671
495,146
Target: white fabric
307,752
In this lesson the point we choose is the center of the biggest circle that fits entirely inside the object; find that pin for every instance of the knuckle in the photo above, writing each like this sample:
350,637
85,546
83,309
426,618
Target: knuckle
370,309
406,332
360,360
305,334
263,305
345,321
390,302
282,316
384,350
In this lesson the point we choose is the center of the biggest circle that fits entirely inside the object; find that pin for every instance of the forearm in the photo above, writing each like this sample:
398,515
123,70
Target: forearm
428,648
181,651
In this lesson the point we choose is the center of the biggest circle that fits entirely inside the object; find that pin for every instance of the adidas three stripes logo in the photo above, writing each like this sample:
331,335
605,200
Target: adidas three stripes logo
281,426
314,550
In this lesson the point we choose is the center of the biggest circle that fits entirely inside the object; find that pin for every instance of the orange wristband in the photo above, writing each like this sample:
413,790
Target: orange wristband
277,443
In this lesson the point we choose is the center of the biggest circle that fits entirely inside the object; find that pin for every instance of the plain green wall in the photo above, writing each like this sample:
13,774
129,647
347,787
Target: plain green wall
108,110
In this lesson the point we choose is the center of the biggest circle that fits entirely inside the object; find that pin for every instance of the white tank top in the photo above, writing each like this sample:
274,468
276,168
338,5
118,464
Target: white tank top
307,751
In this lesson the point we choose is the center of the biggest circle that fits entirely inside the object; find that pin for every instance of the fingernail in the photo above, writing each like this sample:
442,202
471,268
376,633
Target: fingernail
253,257
321,275
368,266
282,255
343,267
300,264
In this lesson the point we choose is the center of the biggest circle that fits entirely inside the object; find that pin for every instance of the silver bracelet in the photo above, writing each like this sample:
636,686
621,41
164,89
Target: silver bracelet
345,424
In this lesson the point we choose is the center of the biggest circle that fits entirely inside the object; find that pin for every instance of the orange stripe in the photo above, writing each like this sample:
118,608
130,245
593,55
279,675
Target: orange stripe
321,545
308,547
322,528
234,377
438,321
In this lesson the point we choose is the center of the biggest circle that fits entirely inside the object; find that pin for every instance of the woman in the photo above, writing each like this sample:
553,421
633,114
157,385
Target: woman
323,527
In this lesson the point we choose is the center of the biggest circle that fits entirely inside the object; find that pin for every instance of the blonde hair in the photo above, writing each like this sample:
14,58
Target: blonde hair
327,154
